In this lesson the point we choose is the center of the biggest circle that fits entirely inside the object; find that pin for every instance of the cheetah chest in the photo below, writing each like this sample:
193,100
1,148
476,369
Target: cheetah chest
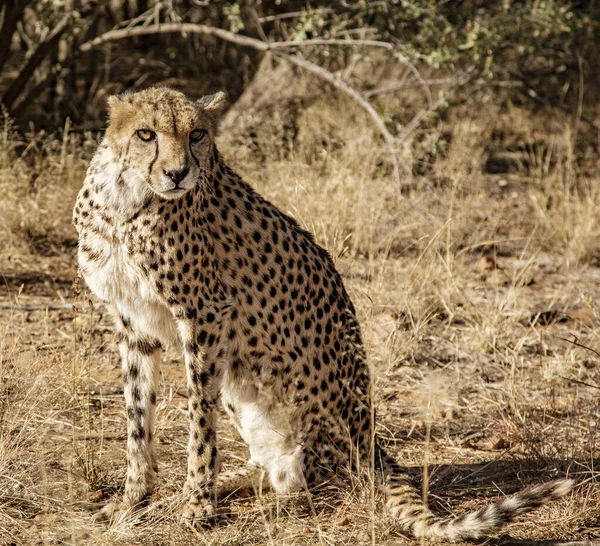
113,277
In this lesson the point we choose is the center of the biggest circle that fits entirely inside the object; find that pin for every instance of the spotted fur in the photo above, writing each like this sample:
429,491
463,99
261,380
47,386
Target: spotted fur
185,253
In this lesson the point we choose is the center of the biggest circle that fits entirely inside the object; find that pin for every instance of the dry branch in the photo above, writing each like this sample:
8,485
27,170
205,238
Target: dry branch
331,41
276,47
408,85
293,14
34,307
169,28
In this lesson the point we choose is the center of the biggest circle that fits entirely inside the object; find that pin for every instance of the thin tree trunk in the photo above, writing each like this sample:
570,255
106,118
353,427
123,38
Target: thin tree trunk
12,13
44,49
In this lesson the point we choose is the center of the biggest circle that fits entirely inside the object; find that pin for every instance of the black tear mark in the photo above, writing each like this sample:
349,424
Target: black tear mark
120,180
151,166
193,156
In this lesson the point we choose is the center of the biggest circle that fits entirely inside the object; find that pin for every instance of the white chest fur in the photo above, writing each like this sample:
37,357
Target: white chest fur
111,275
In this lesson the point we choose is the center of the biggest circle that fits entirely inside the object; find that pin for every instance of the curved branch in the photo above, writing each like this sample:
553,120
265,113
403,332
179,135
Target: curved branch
193,28
169,28
354,94
332,41
410,84
246,41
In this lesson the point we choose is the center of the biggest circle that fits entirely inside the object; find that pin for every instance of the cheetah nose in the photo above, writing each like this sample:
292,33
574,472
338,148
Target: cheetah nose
178,176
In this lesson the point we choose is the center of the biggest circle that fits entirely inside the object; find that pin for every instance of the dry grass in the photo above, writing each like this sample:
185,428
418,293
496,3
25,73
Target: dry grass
469,287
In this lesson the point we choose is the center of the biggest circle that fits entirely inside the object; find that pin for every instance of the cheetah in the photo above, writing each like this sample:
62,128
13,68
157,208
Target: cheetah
184,253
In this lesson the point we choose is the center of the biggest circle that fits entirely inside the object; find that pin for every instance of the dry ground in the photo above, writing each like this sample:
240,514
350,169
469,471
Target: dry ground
477,292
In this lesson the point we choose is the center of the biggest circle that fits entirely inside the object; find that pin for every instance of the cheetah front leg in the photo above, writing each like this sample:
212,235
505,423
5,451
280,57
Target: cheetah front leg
140,358
202,447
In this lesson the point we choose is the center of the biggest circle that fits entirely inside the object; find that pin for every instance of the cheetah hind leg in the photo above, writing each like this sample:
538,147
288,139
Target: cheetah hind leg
250,477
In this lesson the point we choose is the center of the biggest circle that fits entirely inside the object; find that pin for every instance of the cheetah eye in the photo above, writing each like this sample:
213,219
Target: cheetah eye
146,135
197,135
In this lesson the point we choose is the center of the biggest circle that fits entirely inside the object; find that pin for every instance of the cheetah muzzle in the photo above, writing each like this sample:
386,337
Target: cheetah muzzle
184,252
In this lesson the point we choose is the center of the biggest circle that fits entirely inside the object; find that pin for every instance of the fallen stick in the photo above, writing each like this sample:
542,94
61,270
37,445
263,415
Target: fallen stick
34,307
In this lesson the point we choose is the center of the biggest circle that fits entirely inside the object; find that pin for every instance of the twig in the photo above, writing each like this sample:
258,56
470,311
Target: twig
143,18
292,14
40,307
351,31
519,542
580,93
576,342
418,118
32,307
168,28
193,28
332,41
23,35
577,381
403,86
101,436
258,25
416,74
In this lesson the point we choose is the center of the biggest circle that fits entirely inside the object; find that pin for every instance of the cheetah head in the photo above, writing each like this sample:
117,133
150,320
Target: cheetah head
163,140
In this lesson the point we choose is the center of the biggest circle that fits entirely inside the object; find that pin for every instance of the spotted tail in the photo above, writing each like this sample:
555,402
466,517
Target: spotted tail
404,502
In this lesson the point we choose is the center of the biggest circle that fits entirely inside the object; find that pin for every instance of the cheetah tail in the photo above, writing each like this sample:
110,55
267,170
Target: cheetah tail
406,505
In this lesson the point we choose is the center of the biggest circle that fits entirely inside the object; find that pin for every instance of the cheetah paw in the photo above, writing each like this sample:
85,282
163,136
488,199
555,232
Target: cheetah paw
198,515
110,512
116,511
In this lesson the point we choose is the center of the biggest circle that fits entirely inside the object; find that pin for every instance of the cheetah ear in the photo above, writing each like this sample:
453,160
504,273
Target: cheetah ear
119,114
115,102
213,104
117,108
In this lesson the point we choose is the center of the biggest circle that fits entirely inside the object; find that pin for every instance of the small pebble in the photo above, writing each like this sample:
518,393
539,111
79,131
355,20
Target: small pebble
96,496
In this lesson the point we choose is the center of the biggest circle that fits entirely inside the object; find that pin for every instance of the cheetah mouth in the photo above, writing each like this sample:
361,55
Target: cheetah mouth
170,189
172,193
